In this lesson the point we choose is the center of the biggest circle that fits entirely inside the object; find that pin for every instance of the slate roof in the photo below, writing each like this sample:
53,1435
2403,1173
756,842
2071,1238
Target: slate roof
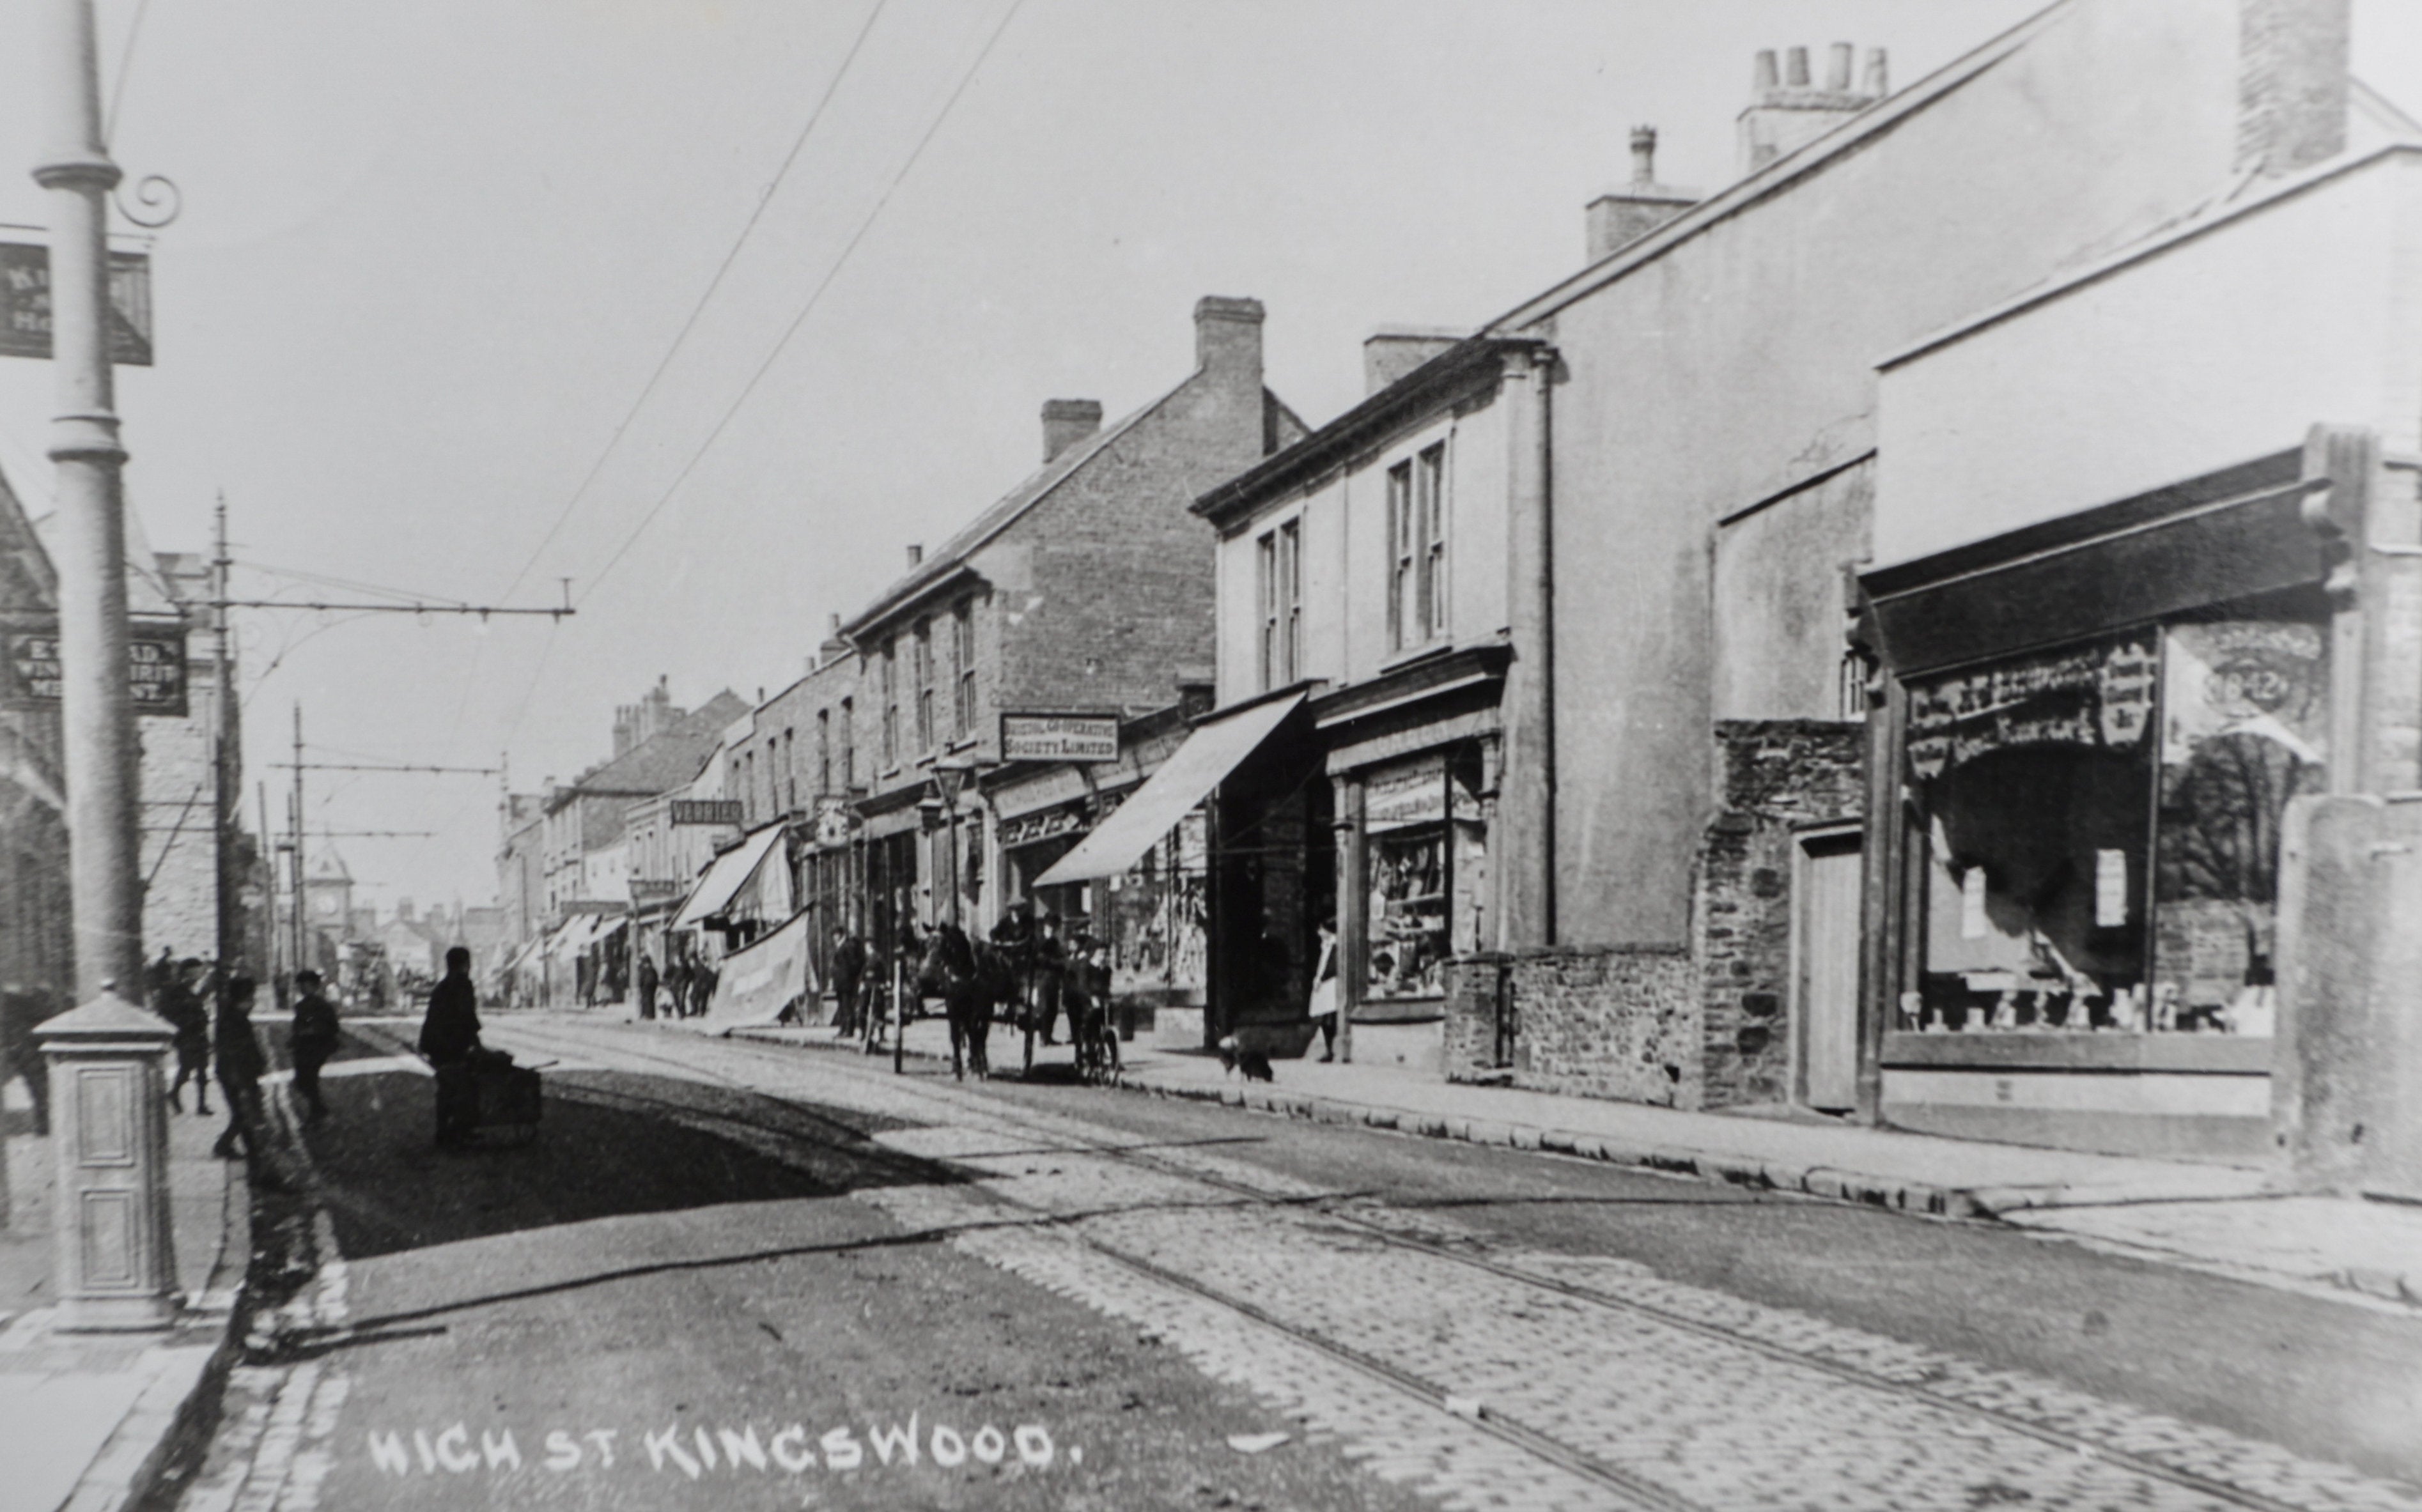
666,759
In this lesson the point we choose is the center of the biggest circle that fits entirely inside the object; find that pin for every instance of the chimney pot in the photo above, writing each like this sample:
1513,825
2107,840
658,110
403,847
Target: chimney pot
1644,154
1763,80
1067,422
832,627
1795,68
1837,69
1878,82
915,555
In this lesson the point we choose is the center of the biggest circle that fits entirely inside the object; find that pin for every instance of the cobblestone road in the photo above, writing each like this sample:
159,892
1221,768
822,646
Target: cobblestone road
1488,1378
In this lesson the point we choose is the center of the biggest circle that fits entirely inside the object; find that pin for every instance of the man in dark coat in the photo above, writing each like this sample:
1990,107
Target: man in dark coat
240,1065
647,986
311,1042
448,1033
849,976
180,1003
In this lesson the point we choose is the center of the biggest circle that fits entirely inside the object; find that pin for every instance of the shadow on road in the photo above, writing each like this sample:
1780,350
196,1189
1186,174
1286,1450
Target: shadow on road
608,1146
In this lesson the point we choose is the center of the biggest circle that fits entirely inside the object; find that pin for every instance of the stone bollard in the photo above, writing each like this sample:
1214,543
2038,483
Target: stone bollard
116,1271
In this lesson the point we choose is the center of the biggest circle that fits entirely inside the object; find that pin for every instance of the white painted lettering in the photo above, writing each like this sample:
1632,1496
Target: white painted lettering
989,1445
388,1452
705,1447
428,1455
460,1459
792,1460
1033,1445
497,1451
562,1451
741,1446
842,1450
666,1446
603,1440
895,1440
949,1450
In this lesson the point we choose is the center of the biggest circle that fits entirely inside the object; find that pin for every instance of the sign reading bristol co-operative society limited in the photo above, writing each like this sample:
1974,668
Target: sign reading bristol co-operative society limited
1059,736
155,666
26,303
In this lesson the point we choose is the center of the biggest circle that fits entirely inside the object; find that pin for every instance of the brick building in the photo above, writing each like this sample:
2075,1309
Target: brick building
1087,590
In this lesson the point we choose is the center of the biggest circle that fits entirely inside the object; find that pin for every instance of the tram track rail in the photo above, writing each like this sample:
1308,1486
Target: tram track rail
948,1099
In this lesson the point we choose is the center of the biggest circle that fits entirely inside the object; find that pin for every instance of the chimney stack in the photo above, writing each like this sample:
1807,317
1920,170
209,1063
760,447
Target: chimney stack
916,557
1392,351
1228,337
834,647
1784,116
2292,83
1621,216
1067,422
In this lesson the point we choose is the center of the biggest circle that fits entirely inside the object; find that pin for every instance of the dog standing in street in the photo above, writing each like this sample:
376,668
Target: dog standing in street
1235,1057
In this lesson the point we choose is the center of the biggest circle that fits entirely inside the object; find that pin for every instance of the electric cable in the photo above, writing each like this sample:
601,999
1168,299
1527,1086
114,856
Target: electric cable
648,388
799,319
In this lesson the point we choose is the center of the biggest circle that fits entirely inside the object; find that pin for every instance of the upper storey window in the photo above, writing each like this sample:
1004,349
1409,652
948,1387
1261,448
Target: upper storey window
1417,549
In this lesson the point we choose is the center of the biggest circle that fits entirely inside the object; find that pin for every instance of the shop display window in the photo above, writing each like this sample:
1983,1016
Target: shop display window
2099,829
1409,912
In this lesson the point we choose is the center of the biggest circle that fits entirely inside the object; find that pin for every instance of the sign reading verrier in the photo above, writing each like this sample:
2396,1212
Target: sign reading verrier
155,666
26,303
1059,736
706,811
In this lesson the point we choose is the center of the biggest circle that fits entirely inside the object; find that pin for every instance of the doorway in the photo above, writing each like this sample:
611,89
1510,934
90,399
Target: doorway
1825,967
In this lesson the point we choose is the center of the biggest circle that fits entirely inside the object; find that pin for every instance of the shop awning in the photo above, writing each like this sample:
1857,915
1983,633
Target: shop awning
727,877
1212,751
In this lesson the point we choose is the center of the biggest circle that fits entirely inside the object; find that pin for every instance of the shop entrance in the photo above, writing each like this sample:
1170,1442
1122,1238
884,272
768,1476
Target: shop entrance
1825,968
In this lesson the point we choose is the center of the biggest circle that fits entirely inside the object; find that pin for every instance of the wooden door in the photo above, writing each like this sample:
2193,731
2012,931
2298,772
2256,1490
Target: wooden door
1825,969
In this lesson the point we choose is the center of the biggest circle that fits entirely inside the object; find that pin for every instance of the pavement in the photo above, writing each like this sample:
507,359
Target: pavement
2210,1216
88,1422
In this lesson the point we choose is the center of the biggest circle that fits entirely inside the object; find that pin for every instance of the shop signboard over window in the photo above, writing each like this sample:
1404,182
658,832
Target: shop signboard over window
155,666
706,811
1059,736
2094,695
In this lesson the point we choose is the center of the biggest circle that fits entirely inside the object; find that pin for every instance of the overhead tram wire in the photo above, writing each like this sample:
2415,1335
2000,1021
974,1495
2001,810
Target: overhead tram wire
648,389
799,319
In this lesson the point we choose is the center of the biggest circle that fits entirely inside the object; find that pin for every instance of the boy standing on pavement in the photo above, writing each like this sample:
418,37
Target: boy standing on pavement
311,1040
180,1003
240,1065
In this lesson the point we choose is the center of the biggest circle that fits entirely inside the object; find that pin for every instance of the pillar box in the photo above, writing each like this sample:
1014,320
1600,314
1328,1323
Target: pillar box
114,1267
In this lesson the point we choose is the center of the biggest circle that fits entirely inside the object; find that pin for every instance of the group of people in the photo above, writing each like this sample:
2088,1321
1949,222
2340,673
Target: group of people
687,987
229,1044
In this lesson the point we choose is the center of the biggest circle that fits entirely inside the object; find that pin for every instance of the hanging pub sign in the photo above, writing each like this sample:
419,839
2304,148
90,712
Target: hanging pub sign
835,821
2098,695
155,666
1059,736
706,811
26,303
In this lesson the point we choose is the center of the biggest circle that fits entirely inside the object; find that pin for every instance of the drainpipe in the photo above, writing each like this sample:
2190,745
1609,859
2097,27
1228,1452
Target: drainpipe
1526,807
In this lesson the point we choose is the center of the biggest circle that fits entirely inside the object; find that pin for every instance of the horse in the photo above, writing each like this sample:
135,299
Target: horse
953,965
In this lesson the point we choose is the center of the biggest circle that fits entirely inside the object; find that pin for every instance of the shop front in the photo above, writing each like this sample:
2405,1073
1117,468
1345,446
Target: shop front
1151,911
1412,758
2094,729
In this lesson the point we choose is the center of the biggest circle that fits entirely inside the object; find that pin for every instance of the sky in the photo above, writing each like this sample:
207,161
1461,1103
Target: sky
432,257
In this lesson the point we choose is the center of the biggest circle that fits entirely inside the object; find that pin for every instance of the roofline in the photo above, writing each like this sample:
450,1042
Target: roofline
958,574
2171,237
908,589
1460,364
1783,172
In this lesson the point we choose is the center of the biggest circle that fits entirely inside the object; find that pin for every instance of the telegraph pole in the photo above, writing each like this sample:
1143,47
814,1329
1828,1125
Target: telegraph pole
105,866
223,739
302,957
